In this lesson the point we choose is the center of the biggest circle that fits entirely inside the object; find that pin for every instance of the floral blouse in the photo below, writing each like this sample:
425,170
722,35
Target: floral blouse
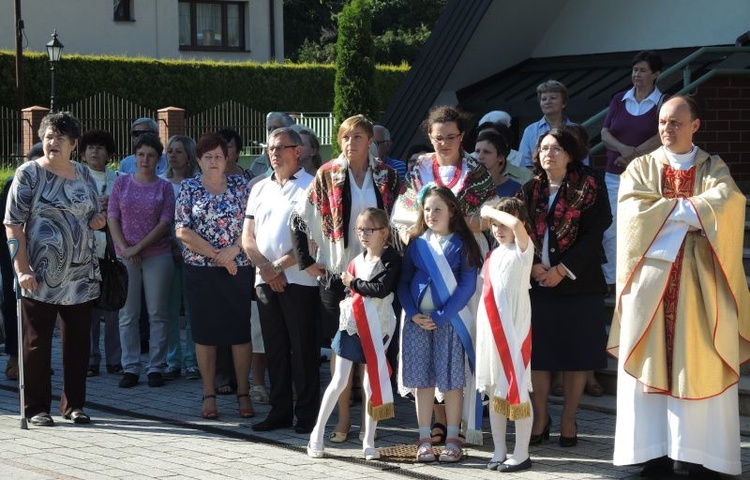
216,218
55,213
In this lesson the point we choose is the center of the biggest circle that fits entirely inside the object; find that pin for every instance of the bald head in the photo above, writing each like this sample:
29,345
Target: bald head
678,121
382,138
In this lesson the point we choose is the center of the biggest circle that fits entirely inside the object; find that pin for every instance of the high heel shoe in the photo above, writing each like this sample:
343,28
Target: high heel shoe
537,439
209,413
569,441
246,412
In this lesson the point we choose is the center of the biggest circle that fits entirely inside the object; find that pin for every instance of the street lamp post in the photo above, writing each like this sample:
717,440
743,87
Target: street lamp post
54,52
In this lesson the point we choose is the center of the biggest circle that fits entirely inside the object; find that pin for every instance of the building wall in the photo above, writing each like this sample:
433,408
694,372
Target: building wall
154,33
513,31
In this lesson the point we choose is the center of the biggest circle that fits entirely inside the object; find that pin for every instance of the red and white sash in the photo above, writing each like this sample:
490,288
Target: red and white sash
380,405
511,397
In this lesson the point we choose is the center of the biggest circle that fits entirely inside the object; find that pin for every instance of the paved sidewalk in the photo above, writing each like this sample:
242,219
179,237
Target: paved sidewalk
157,433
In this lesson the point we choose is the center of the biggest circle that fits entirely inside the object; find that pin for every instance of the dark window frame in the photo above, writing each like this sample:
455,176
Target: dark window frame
123,11
224,47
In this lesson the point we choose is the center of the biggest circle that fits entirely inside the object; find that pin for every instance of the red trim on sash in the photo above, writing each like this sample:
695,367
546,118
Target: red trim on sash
368,347
501,341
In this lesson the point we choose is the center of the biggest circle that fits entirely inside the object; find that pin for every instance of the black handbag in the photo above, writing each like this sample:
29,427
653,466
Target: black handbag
113,289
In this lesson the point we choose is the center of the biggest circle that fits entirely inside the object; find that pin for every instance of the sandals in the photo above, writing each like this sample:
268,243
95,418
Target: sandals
452,452
209,413
246,412
438,437
338,437
425,453
226,389
92,371
11,368
594,389
258,394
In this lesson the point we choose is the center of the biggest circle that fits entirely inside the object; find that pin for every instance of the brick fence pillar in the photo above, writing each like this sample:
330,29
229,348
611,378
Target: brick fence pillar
171,121
31,119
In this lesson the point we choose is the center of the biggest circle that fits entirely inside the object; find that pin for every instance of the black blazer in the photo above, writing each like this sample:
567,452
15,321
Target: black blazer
385,276
585,256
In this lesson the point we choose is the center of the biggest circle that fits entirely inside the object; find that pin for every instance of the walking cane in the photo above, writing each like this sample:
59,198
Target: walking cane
13,249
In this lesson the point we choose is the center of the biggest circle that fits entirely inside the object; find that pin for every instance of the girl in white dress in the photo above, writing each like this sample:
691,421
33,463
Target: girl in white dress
504,333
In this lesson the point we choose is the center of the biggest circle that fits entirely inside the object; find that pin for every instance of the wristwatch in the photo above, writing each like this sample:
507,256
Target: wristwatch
277,268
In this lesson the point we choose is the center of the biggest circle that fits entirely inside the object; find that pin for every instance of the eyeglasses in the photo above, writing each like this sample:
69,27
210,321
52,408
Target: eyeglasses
553,150
366,232
279,148
445,140
211,158
138,133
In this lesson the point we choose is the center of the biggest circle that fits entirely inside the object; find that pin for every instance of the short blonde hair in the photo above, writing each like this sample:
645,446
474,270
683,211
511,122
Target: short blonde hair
357,121
552,86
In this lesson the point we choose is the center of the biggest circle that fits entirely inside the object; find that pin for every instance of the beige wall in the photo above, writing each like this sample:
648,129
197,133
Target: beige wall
86,27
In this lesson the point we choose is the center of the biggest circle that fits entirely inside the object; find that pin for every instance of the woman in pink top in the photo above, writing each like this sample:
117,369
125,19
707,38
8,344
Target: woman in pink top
141,212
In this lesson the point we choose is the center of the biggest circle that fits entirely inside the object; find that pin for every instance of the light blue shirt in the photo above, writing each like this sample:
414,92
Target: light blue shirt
530,137
127,165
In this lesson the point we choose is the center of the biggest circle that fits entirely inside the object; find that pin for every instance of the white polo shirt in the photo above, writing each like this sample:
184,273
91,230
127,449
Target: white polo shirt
270,205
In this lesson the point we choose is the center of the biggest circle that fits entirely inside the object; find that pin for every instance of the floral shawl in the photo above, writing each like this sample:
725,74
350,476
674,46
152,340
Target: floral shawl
476,189
577,193
323,212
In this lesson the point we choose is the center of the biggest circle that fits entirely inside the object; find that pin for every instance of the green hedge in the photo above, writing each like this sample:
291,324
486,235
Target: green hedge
192,85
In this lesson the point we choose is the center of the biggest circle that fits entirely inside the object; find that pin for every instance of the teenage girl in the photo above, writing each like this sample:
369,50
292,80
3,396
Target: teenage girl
366,326
504,333
438,279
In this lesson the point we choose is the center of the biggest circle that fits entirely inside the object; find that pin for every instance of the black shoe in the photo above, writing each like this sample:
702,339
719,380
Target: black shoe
155,379
658,468
171,373
42,420
537,439
506,468
115,369
129,380
566,442
78,417
304,427
271,424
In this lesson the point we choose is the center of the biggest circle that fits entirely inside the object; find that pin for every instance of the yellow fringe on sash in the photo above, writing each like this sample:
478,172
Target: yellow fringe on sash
381,412
513,412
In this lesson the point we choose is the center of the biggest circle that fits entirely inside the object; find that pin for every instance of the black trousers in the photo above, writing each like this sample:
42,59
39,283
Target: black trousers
288,321
75,333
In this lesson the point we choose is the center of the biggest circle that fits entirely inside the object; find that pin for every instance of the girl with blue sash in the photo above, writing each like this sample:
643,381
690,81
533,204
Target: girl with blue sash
438,280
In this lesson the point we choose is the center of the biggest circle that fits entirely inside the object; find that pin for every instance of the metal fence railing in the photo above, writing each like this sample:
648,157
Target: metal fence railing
115,115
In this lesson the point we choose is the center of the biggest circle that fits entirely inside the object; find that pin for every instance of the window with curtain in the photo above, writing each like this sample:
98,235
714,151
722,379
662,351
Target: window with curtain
123,10
212,25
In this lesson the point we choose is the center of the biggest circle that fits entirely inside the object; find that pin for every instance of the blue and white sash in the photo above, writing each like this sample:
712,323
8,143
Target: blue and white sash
442,287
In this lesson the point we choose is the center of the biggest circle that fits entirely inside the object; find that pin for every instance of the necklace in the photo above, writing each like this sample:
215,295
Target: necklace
436,174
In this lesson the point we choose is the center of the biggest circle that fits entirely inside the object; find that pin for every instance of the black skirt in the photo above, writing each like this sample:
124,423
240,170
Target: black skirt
567,332
219,304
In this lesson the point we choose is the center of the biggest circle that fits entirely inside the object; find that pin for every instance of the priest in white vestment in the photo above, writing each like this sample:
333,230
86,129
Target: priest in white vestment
681,327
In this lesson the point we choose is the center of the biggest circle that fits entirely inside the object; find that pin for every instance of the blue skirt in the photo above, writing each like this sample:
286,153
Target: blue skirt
350,346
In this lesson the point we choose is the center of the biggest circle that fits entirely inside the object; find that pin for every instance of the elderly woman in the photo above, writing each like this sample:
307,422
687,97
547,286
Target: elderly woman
53,208
218,275
342,189
309,157
569,211
553,98
97,147
182,164
630,130
141,211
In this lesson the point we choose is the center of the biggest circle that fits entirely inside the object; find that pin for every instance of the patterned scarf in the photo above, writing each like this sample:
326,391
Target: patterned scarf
577,193
323,212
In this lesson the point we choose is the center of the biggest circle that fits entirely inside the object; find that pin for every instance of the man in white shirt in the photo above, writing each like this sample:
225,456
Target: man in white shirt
287,296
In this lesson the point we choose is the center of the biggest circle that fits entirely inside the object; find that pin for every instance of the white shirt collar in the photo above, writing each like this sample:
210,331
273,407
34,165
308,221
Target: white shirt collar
653,96
681,161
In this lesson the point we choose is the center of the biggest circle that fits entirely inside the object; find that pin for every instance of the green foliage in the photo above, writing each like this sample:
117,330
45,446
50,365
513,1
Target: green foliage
192,85
354,87
399,27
